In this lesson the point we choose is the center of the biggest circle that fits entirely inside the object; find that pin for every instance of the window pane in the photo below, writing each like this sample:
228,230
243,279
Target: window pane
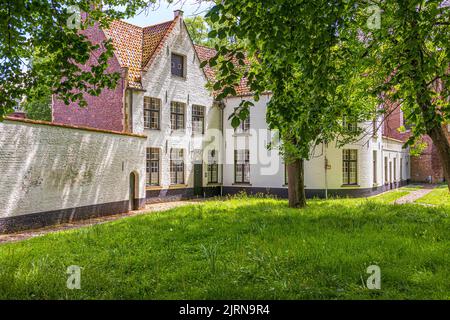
177,65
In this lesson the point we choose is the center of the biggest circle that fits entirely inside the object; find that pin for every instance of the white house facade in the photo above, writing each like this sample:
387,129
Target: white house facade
192,150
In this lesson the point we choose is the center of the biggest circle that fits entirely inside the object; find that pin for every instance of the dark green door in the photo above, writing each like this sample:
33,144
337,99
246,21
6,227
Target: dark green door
198,179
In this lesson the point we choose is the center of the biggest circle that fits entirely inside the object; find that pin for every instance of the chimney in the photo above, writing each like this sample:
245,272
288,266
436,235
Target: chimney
178,13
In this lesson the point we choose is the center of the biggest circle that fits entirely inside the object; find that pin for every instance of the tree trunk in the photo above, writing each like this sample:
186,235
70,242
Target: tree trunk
442,144
296,182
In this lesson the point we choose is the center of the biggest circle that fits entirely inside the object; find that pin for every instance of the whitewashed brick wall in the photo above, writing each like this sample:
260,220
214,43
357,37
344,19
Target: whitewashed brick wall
158,82
46,168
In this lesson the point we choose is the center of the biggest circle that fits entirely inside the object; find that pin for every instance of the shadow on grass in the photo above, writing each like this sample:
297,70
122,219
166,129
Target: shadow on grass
244,248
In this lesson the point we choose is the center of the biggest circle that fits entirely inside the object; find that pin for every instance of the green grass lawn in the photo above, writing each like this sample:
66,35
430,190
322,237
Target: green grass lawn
243,248
438,197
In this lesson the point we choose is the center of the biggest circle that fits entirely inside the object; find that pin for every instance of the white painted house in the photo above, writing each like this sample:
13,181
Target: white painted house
192,150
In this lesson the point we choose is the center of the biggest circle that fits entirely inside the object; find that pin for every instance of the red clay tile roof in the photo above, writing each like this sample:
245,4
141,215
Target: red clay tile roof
135,46
205,53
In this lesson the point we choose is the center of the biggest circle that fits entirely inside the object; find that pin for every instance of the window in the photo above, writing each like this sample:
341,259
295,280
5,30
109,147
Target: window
152,109
395,169
349,124
244,127
401,169
152,167
350,165
198,119
241,166
176,166
177,115
286,180
390,172
177,65
374,166
386,179
213,167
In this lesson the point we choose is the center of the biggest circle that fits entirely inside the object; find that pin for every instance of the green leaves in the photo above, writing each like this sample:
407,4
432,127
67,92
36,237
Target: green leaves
303,59
39,48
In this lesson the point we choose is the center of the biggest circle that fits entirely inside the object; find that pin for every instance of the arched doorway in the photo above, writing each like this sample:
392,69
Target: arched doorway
133,202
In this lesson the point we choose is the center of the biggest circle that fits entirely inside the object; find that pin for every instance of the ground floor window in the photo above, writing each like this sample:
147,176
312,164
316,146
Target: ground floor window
286,180
152,166
401,169
395,169
242,166
386,178
350,166
176,166
374,166
213,167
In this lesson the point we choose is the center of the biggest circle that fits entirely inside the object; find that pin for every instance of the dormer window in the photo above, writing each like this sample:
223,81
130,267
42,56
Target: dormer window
177,65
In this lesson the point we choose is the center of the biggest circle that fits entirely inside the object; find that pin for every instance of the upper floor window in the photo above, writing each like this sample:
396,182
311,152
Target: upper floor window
349,124
177,65
152,110
177,110
198,119
349,166
244,127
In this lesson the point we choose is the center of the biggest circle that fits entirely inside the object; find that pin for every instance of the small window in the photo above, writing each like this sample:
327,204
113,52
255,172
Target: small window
177,110
286,180
176,166
386,178
152,110
401,169
374,166
177,65
242,166
350,166
198,119
349,124
395,170
244,126
153,167
213,167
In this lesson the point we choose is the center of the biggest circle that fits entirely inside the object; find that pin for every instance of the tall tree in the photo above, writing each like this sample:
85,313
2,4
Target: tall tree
299,51
408,59
54,27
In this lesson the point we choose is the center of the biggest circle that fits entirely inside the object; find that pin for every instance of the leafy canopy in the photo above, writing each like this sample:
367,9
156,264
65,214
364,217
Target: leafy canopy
303,53
47,31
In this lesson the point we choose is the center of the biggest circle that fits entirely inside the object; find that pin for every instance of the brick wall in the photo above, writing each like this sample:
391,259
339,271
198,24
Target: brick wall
104,111
50,168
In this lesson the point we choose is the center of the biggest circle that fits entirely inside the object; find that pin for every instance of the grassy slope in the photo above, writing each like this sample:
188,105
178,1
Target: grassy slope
439,197
242,248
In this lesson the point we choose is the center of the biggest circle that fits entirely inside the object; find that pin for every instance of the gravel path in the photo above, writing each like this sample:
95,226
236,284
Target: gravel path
157,207
414,195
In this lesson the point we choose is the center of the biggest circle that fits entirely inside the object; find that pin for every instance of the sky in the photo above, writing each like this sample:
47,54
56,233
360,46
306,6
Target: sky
164,11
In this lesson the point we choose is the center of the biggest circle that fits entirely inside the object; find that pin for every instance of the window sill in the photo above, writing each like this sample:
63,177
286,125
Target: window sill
153,188
214,184
350,186
178,131
178,186
244,184
184,78
159,129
